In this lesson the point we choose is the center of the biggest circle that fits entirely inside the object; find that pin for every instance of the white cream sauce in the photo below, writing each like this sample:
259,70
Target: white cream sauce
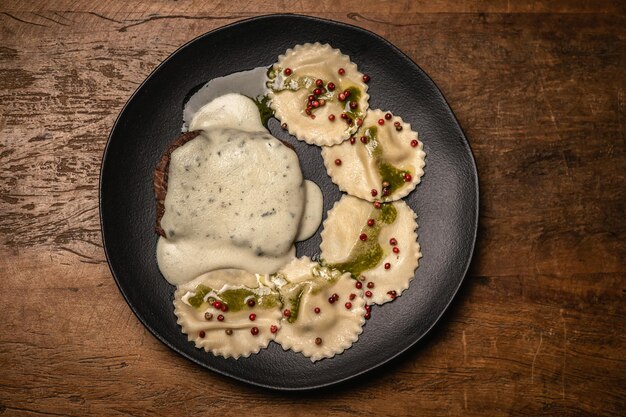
236,197
230,111
312,216
236,111
248,83
224,209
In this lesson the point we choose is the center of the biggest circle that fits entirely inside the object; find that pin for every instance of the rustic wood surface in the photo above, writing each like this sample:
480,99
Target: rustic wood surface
538,327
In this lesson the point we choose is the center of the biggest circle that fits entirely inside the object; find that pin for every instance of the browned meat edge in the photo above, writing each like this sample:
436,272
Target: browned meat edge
161,173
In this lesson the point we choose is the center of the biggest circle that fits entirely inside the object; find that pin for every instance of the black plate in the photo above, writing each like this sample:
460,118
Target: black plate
446,201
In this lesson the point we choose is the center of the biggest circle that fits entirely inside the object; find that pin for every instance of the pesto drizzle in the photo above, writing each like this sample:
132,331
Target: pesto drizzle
235,298
366,255
388,173
291,293
355,95
265,111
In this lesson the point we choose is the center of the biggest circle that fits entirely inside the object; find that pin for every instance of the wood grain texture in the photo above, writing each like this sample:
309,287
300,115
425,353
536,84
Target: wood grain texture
539,326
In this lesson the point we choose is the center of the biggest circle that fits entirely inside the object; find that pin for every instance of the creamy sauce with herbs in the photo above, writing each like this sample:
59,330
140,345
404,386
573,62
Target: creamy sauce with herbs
231,111
235,200
248,83
312,216
236,197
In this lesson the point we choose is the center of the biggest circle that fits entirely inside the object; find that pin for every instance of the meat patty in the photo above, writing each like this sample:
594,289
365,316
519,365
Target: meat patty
161,174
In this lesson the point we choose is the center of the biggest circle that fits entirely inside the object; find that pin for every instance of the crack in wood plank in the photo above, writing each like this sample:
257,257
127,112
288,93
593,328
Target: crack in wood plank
24,21
184,17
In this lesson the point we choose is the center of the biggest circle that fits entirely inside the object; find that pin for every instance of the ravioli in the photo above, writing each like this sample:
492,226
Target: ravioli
318,93
228,313
323,311
383,161
377,246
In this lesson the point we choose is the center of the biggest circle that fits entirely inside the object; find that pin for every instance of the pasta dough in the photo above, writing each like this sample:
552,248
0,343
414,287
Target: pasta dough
320,119
228,313
360,239
384,161
323,310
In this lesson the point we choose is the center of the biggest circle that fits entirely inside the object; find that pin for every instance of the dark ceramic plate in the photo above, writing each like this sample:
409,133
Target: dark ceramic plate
446,201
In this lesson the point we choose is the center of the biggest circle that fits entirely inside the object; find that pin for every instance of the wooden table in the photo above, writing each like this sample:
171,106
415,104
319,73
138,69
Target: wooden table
538,327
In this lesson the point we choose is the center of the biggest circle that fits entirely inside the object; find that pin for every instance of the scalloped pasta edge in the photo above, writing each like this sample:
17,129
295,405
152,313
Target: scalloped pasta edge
297,131
331,168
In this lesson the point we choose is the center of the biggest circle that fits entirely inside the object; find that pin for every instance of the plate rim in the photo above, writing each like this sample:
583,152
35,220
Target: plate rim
465,144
